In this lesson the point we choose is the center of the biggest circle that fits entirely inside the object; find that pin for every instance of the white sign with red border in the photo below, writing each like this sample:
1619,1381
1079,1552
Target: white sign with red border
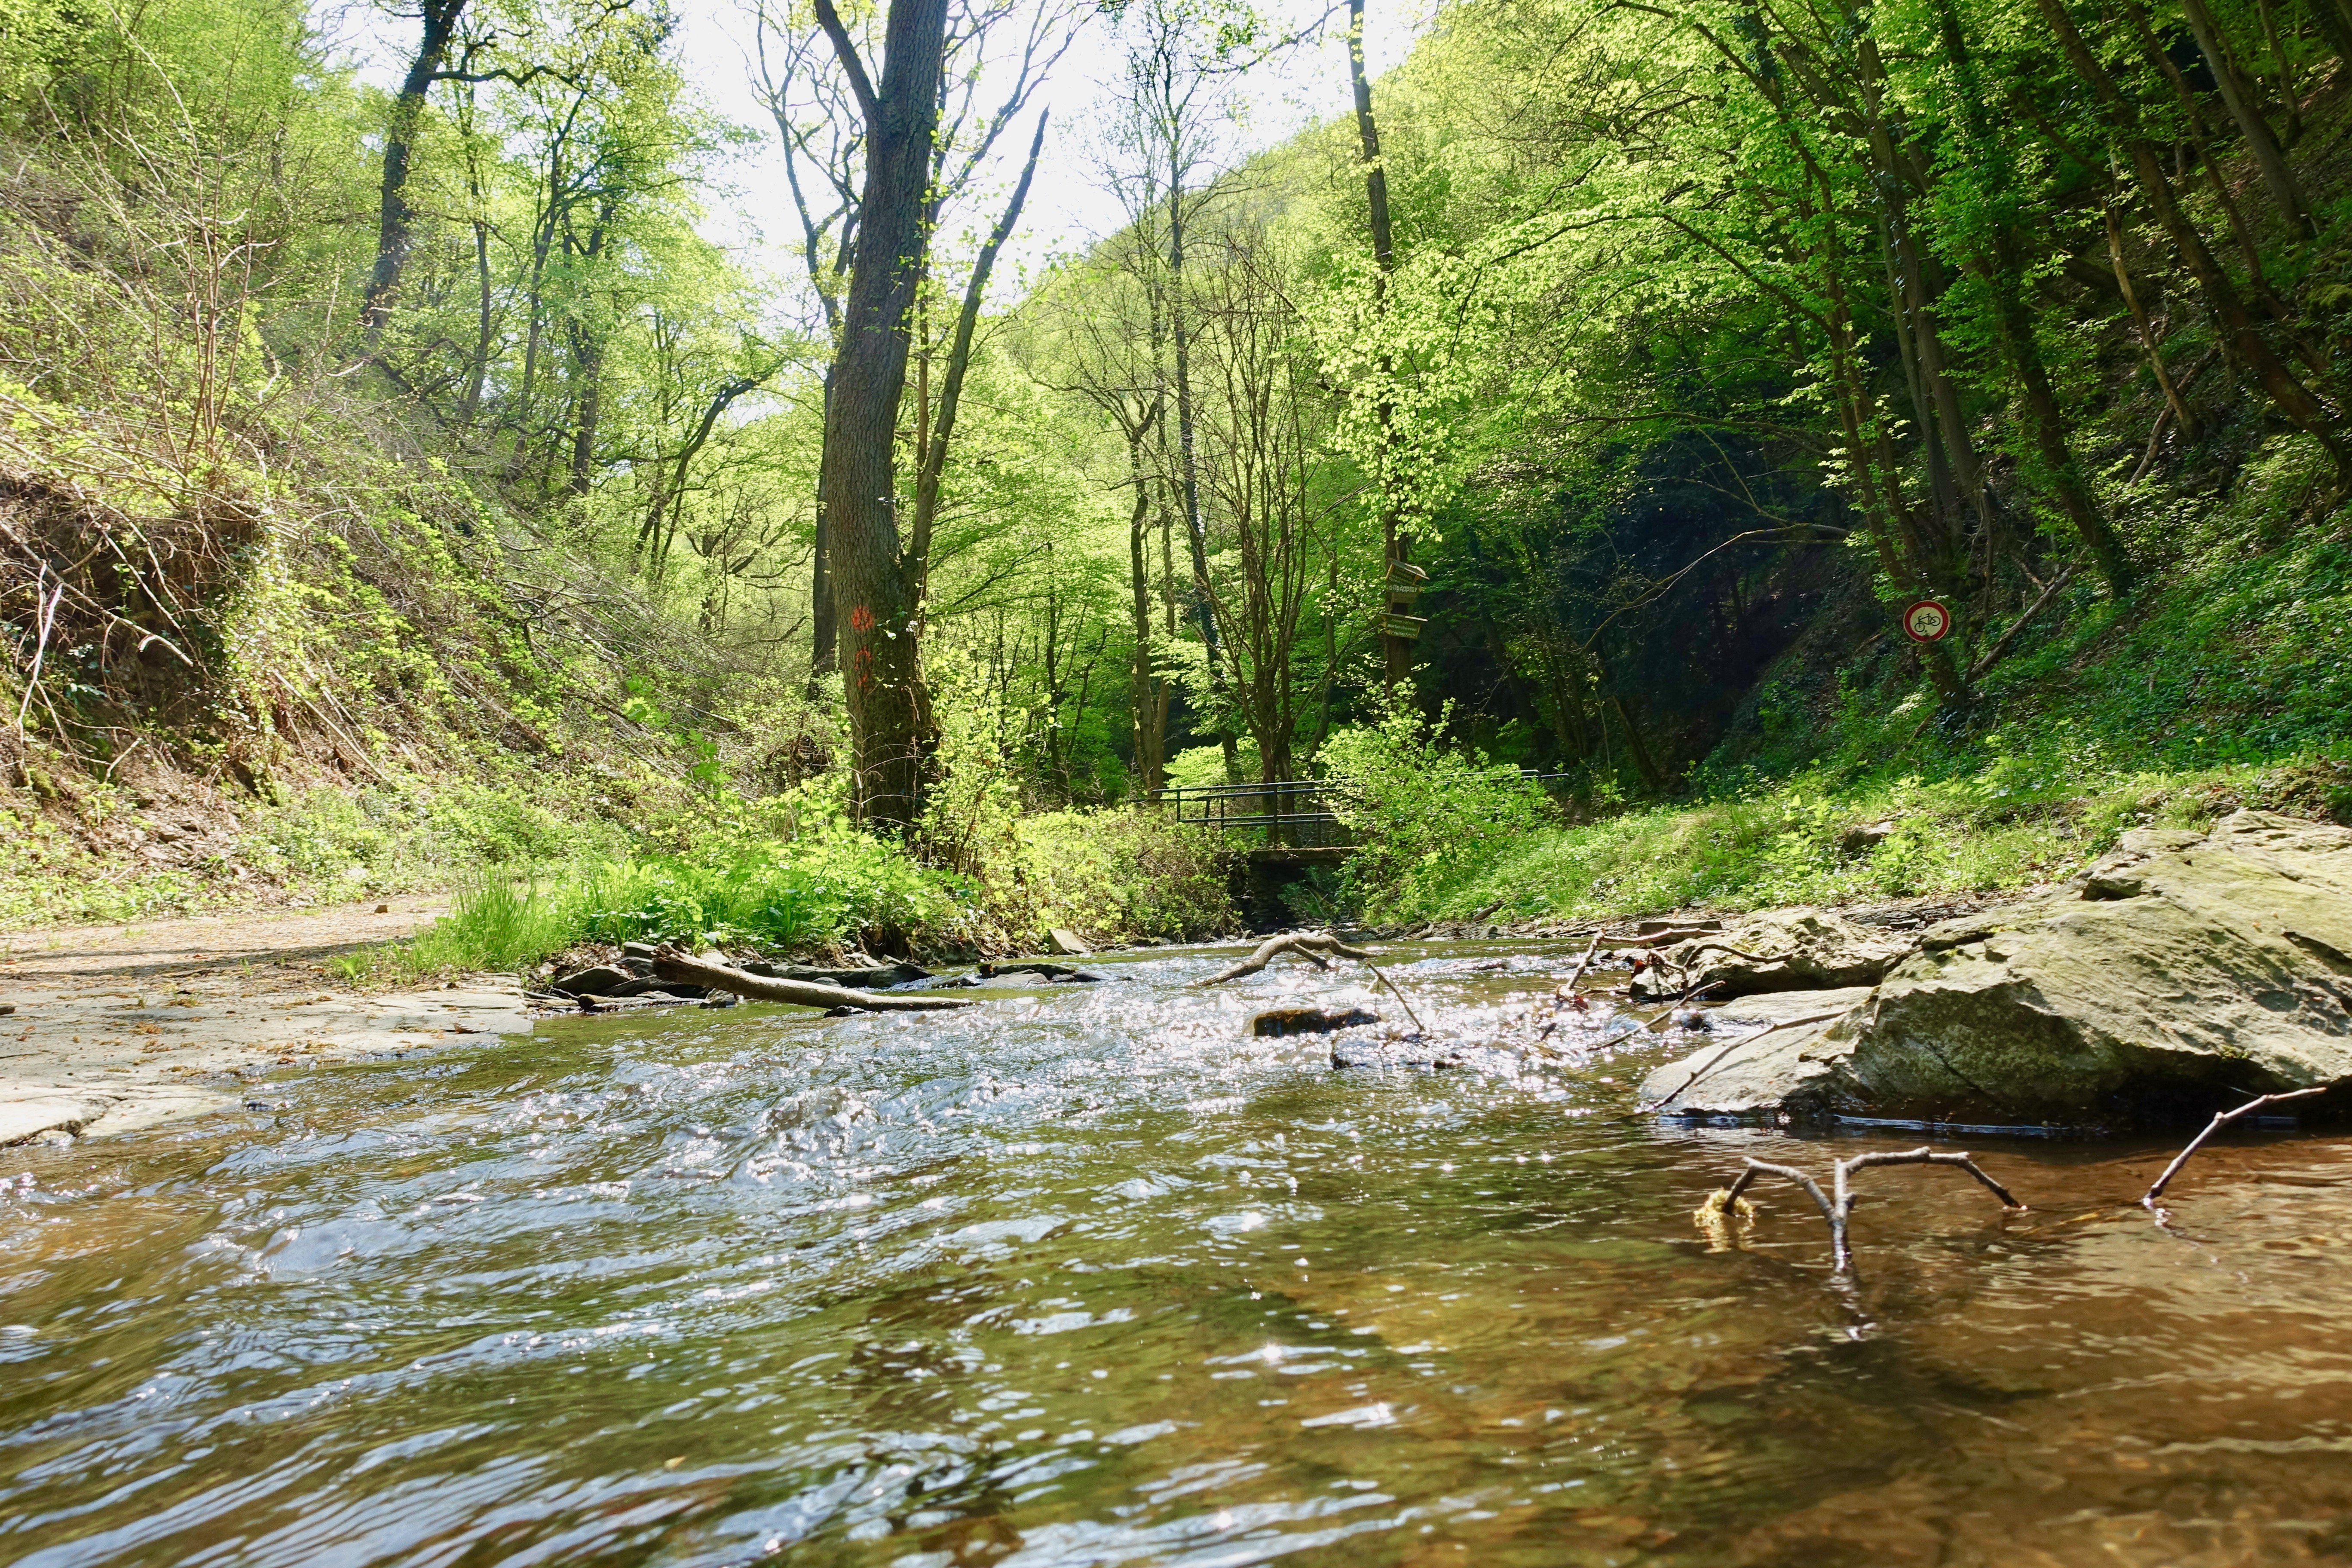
1927,620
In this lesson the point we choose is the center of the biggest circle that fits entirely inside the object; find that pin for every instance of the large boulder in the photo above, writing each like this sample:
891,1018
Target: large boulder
2185,971
1782,949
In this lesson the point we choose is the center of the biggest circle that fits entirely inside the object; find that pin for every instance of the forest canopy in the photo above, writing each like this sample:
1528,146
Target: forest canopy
1594,390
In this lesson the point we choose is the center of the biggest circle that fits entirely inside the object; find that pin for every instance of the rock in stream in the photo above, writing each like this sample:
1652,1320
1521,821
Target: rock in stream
2183,972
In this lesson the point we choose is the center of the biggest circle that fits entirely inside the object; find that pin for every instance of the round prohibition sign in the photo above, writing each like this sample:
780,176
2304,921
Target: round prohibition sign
1927,621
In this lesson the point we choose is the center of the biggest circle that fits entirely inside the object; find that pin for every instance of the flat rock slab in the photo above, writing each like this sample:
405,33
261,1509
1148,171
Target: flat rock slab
1782,950
1782,1007
2183,972
1766,1054
32,1115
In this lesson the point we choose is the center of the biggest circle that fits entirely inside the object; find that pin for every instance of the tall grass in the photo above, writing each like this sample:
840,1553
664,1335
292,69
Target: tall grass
1114,875
769,898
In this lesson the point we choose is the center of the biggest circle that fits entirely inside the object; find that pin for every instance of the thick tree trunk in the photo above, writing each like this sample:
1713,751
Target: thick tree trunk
393,235
875,614
1396,653
2237,97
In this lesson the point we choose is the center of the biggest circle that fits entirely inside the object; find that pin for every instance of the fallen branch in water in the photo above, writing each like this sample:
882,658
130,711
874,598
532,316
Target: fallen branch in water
1709,1064
1049,969
1365,959
1310,945
1839,1208
672,965
1667,938
2221,1118
1567,992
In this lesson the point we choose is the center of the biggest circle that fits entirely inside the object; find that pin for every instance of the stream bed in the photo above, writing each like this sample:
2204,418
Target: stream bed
1086,1276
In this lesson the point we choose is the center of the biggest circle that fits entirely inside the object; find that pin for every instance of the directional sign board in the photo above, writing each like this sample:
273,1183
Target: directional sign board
1927,621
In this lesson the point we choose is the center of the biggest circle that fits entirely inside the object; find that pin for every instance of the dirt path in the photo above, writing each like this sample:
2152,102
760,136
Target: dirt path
112,1028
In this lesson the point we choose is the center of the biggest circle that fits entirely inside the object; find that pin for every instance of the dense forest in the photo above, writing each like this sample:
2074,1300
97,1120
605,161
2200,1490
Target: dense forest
401,485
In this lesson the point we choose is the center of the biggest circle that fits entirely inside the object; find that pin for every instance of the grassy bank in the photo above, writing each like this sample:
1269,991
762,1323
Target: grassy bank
817,886
2229,684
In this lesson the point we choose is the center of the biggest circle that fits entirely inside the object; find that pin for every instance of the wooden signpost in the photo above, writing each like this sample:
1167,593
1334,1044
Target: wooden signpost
1405,582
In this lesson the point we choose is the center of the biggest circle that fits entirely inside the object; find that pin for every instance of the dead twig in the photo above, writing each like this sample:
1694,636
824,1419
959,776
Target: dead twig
2221,1118
1310,945
1838,1209
1567,991
1384,980
669,965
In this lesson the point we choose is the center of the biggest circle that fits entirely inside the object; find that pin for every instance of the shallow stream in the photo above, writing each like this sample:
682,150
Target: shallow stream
1087,1276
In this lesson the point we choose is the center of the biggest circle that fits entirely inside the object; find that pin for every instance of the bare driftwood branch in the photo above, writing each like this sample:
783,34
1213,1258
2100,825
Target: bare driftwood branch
1366,961
672,965
1667,938
1567,992
1838,1208
1310,945
2221,1118
1044,967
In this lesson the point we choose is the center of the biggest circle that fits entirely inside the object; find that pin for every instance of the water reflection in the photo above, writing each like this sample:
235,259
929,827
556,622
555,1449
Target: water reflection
1091,1277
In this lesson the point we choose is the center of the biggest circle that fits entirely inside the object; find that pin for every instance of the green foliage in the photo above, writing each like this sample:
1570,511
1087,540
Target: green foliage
2227,687
1116,875
1428,816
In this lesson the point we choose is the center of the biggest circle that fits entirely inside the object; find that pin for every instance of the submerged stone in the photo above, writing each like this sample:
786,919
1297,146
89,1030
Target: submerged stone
1276,1022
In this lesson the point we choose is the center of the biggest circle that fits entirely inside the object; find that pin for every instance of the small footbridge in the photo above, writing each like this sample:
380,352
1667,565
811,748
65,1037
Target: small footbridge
1296,826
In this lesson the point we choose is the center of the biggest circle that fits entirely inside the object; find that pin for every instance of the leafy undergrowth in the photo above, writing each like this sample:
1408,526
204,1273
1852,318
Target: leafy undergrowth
1813,841
744,886
2228,683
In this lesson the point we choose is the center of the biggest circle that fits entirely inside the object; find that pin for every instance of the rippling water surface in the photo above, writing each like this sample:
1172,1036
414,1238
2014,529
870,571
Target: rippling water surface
1088,1277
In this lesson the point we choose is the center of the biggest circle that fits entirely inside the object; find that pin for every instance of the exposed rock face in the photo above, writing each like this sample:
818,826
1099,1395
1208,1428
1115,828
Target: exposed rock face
2183,972
24,1120
598,980
1784,950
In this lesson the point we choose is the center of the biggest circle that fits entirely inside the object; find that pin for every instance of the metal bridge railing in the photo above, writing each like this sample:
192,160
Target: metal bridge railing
1296,812
1293,811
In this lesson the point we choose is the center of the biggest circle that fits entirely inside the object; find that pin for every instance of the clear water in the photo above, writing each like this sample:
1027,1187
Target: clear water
1090,1276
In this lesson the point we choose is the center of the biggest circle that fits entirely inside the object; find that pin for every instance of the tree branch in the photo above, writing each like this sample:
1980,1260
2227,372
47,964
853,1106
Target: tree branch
830,20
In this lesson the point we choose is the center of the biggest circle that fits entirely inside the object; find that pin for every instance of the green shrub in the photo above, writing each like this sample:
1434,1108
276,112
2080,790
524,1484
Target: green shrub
1119,874
1427,815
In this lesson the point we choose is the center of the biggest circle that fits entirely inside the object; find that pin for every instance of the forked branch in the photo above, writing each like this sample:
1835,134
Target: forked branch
1837,1207
2221,1118
1310,945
